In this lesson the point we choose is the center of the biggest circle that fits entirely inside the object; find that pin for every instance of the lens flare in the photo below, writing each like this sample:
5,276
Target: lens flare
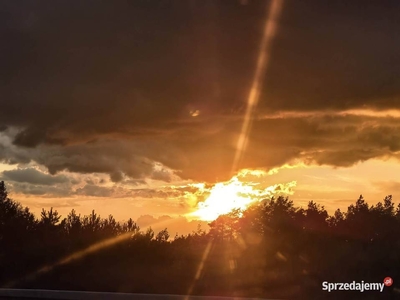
255,91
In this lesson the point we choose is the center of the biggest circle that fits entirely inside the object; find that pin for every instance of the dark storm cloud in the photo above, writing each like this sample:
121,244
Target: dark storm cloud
114,157
109,86
335,55
116,176
30,181
127,67
40,190
33,176
330,140
335,141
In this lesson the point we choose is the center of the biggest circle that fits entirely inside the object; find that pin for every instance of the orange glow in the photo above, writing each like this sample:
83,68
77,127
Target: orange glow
223,198
236,194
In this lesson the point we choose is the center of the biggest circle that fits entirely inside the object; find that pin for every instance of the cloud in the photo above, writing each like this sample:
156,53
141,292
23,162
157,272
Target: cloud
94,190
66,204
33,176
118,158
40,190
32,181
323,58
116,176
388,187
118,97
146,220
336,140
123,191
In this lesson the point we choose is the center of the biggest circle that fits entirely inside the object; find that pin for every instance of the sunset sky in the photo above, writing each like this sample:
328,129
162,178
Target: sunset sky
136,108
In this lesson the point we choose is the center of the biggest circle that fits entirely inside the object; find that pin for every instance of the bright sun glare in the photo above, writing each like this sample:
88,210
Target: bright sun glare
234,194
223,198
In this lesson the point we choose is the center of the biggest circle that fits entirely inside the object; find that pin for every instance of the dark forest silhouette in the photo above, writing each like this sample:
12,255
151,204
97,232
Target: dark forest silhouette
273,249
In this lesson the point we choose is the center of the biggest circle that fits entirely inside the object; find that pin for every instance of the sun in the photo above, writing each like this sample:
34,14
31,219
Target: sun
223,198
241,191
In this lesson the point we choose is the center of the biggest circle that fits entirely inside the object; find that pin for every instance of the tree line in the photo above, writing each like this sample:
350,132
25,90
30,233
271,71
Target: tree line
272,249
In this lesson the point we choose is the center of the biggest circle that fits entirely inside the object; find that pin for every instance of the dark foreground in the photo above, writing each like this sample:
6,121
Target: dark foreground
273,250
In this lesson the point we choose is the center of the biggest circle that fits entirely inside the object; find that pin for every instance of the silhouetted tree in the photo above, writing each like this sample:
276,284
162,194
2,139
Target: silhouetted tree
73,224
17,228
272,250
162,236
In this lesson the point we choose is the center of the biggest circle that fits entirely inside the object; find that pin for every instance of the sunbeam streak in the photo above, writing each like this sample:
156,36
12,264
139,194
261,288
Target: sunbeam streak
263,58
262,63
199,268
77,255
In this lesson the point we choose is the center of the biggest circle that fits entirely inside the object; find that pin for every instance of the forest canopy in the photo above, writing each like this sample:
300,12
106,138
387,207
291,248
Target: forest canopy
271,249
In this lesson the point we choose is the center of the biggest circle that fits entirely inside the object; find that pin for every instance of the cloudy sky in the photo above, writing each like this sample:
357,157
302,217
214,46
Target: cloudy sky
135,108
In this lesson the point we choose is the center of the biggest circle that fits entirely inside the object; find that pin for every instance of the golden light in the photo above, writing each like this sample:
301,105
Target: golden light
195,113
236,194
223,198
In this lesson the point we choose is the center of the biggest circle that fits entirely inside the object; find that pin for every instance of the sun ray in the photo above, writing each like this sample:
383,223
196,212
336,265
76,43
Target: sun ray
76,256
262,63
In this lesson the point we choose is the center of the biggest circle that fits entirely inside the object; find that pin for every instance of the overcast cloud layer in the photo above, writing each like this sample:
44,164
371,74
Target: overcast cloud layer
113,87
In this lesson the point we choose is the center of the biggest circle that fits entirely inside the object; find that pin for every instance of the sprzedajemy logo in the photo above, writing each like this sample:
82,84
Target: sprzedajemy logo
356,286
